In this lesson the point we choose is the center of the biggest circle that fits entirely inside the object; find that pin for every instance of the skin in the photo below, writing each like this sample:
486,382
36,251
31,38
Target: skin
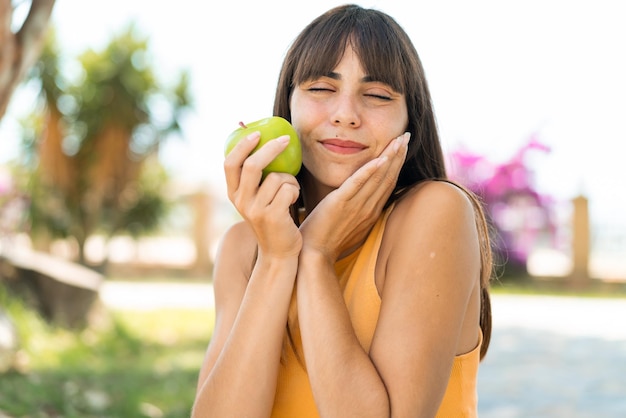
427,273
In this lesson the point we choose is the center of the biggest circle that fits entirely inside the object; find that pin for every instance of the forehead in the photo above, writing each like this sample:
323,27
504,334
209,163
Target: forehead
372,64
349,61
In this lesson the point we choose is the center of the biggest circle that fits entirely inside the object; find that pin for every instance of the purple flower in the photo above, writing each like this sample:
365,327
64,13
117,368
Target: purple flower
513,204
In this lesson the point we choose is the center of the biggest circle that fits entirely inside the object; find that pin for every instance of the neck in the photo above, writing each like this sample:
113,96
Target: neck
312,191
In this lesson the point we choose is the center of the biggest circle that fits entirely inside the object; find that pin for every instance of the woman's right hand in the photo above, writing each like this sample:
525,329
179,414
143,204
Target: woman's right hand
264,203
253,281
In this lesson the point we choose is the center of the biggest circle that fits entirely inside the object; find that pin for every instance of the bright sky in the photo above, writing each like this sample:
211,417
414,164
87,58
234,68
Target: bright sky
499,72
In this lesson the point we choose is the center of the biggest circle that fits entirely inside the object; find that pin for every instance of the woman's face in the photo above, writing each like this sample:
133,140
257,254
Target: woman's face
345,119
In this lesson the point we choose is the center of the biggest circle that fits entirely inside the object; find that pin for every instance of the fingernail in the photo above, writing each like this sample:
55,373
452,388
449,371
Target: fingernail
398,142
283,139
401,140
381,161
254,136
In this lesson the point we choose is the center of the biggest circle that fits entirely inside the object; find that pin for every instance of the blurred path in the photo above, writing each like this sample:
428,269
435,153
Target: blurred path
156,295
555,357
549,357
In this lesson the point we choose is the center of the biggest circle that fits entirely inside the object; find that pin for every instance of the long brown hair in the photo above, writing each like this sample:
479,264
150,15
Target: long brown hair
387,55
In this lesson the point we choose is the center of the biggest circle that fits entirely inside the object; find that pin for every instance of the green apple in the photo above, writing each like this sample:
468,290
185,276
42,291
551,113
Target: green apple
288,161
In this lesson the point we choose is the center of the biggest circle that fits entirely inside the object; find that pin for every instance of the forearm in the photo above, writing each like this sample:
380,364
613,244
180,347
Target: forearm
242,380
344,380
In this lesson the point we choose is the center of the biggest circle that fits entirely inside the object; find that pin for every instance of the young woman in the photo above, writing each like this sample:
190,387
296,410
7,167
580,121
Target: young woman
359,288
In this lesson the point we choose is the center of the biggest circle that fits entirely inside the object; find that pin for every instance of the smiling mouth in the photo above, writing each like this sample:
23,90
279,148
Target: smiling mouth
339,146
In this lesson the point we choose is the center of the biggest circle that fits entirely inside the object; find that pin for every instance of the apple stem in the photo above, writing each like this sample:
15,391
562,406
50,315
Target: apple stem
243,125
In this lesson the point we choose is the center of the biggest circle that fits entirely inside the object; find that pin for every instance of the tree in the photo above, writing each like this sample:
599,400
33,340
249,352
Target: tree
20,49
91,151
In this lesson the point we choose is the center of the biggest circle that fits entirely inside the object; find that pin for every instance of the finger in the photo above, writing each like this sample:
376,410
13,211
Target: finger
390,163
263,195
384,168
397,147
286,196
252,169
261,158
235,159
363,179
275,195
272,184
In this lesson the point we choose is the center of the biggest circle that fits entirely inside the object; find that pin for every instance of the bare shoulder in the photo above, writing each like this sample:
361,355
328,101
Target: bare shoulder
236,253
439,201
433,218
239,233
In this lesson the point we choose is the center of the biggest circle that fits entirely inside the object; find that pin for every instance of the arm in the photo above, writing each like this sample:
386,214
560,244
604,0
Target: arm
430,271
430,297
238,377
344,379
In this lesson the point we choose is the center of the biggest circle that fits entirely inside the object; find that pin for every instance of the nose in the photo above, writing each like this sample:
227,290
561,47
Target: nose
346,112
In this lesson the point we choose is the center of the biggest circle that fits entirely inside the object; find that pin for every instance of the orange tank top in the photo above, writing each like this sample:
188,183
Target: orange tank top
294,397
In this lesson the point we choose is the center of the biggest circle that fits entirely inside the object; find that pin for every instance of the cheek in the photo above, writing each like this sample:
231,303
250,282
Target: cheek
403,122
390,127
305,116
296,114
300,127
400,126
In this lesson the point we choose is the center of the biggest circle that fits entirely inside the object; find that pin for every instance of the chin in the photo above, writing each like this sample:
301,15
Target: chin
334,179
330,179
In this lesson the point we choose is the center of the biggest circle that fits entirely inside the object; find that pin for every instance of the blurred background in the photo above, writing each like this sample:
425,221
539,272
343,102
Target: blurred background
113,117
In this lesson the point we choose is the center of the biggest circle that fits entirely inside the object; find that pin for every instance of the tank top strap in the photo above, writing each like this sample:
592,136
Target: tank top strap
365,264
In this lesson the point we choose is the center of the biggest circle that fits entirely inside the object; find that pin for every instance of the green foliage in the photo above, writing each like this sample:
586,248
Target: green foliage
27,322
90,152
134,364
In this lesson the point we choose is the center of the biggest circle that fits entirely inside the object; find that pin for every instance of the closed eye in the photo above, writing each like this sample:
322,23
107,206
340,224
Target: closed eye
379,96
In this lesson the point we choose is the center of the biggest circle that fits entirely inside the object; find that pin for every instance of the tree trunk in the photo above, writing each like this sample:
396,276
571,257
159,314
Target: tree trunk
20,50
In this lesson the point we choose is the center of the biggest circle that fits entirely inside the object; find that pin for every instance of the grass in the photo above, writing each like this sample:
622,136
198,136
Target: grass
142,363
131,364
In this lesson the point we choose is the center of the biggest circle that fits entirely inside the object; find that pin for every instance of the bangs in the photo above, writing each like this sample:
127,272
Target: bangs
370,35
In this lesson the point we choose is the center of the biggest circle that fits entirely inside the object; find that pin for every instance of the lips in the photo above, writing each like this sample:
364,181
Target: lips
340,146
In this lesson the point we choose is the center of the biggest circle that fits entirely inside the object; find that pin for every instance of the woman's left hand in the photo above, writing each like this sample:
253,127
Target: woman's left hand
343,218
